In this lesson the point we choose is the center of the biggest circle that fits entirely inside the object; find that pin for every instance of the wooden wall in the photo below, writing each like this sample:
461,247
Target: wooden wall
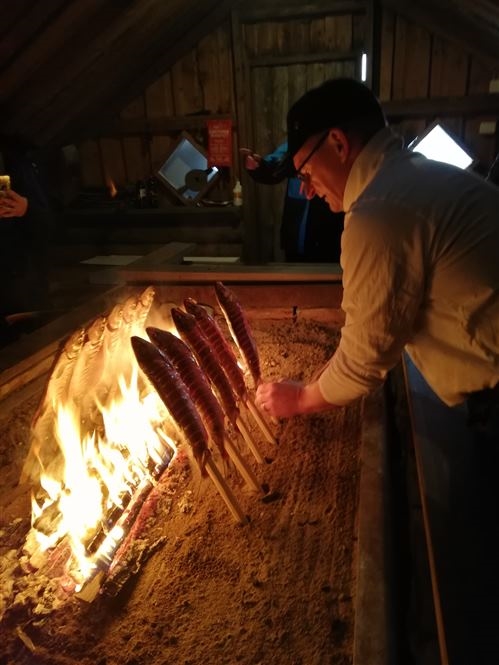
199,84
284,59
253,66
418,64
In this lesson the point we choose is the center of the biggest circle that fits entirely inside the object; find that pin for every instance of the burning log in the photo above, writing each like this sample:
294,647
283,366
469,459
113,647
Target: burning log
104,555
173,392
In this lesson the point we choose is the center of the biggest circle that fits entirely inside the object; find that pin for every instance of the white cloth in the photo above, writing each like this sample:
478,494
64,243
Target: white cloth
420,259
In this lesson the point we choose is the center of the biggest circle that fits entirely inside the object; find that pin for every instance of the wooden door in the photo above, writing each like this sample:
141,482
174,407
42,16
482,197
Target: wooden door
283,59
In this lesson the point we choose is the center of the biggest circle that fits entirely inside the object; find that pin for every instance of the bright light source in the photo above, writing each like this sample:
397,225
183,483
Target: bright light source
363,70
437,144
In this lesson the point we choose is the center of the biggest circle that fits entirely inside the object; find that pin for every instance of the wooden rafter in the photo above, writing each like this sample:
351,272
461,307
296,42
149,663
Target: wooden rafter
458,24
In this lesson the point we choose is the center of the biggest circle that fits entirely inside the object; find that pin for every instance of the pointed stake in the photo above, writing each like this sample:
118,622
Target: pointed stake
241,426
242,466
260,421
225,491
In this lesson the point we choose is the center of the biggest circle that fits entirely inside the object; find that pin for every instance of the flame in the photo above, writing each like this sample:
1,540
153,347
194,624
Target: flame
111,187
102,470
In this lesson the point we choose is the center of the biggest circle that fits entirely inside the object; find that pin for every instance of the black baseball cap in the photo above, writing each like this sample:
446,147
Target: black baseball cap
332,104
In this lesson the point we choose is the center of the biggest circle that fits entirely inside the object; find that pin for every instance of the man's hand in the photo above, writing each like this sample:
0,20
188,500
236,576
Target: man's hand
251,159
13,204
285,398
281,399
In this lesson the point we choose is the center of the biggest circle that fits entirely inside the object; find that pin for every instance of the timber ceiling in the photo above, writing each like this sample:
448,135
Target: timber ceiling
67,66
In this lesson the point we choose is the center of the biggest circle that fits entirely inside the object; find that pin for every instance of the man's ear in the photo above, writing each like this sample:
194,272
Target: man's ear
340,144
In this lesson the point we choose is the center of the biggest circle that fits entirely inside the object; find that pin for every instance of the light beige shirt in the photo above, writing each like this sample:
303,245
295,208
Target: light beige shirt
420,259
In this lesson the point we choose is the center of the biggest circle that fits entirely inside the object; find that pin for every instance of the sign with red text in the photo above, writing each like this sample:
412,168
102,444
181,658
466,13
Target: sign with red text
219,142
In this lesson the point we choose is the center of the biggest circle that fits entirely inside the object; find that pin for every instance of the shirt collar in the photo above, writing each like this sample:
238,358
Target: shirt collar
369,160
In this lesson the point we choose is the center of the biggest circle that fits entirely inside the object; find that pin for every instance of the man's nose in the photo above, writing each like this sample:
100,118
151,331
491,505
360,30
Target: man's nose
307,189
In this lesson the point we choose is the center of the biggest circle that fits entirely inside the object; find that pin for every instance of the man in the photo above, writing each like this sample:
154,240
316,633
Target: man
420,256
310,231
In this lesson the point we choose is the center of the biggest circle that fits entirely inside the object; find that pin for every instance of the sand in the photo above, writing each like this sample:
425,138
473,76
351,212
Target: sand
206,591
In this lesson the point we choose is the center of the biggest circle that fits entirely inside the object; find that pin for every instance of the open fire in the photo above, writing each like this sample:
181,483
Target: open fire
108,427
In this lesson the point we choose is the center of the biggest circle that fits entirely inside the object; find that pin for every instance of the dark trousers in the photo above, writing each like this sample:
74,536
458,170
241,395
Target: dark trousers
483,413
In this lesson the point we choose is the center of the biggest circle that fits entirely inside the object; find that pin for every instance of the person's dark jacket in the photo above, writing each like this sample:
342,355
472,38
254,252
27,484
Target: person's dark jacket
310,231
24,240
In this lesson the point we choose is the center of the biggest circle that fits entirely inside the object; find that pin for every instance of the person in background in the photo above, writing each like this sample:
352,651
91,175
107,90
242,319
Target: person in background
25,223
310,232
419,255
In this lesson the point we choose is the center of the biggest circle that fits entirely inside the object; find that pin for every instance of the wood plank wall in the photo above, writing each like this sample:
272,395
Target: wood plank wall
416,64
284,59
199,83
280,58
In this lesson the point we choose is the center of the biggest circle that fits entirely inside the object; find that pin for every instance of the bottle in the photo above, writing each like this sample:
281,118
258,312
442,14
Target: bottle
141,194
152,192
237,194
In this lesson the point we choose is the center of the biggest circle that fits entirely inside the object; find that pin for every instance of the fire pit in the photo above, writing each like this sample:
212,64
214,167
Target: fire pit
189,584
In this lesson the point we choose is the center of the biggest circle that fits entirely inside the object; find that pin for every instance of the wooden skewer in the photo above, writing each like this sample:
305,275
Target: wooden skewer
225,491
241,426
242,466
260,421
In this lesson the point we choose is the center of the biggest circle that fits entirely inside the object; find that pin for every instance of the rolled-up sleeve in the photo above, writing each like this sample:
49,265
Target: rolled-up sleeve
384,285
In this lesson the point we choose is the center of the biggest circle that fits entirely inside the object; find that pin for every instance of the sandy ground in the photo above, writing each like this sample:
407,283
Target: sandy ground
206,591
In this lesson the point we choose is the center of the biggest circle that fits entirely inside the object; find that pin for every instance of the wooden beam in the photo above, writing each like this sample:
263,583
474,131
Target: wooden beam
303,58
441,18
472,105
181,32
232,273
155,126
87,72
59,70
373,45
21,22
56,28
246,135
284,10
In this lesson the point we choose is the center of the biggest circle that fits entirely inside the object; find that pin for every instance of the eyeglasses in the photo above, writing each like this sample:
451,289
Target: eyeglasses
303,176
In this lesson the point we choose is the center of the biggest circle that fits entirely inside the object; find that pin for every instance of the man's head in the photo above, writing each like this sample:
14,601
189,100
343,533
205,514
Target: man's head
327,128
